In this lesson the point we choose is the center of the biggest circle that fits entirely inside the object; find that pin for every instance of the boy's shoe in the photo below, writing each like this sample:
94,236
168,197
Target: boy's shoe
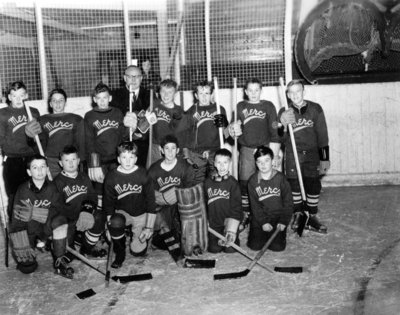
62,268
315,225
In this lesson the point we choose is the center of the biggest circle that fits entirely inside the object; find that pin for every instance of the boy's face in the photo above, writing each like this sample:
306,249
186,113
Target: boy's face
253,92
69,163
17,97
133,78
203,95
296,94
38,170
264,164
127,160
170,150
57,103
102,100
222,164
167,95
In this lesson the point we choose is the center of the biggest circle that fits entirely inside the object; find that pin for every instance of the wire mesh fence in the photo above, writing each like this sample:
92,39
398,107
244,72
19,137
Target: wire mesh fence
186,40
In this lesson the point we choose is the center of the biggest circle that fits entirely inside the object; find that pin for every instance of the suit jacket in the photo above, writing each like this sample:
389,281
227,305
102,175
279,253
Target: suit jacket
120,99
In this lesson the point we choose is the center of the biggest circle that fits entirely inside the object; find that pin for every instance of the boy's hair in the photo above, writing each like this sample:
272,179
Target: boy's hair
252,80
35,157
169,139
15,86
223,152
203,84
127,146
168,83
295,82
100,88
263,150
68,149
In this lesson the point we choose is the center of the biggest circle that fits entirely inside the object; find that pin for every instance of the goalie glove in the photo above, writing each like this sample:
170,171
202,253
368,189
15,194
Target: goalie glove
324,163
288,118
21,248
95,172
147,231
220,121
130,121
33,128
28,212
166,198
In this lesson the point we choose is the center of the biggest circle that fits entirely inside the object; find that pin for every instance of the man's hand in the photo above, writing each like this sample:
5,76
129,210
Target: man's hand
130,121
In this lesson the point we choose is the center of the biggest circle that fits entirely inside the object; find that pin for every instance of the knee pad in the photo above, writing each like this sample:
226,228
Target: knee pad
117,225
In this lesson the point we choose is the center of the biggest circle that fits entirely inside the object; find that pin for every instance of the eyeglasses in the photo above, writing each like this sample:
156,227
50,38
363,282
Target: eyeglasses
131,77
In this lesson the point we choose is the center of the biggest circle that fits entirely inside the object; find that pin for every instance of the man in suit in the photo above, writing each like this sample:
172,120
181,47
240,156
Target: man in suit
141,101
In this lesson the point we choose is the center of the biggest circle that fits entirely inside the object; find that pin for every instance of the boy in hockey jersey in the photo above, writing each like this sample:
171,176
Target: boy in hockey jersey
254,128
203,136
85,220
270,201
58,129
168,174
15,146
312,144
36,216
223,203
129,200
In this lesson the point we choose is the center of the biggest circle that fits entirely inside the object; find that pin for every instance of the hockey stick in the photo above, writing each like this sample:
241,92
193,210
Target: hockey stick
110,251
305,215
235,161
130,108
220,129
240,274
148,162
174,46
37,140
4,217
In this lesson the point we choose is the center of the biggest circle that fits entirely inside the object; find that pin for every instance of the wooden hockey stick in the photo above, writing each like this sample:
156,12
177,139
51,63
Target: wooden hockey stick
235,160
109,258
221,129
130,108
148,162
305,215
37,140
174,46
4,217
240,274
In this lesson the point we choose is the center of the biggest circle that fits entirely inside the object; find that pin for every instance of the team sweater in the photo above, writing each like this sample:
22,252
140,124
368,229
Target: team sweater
223,201
60,130
257,123
169,121
74,191
46,197
203,135
13,140
310,130
104,131
133,192
180,176
270,199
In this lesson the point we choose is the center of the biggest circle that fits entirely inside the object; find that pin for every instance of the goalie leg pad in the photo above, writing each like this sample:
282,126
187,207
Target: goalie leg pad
192,210
137,248
22,251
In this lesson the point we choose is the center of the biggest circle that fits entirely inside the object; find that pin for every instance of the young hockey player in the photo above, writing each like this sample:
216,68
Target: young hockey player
168,174
15,147
59,129
254,128
223,203
270,201
36,216
129,200
203,136
312,144
85,220
169,118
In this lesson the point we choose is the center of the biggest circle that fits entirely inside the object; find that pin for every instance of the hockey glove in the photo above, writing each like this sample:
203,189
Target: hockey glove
33,128
267,227
220,121
21,248
288,117
147,231
95,172
85,221
324,163
235,129
231,228
28,212
130,121
281,227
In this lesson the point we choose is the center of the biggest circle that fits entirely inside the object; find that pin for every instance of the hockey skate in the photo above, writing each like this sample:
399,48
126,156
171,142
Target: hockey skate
95,253
313,224
61,267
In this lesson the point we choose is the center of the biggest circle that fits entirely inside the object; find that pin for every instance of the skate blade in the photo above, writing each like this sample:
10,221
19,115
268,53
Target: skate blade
319,231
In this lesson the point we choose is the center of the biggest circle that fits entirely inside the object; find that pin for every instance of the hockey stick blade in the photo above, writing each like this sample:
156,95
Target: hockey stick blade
232,275
199,263
85,294
130,278
289,269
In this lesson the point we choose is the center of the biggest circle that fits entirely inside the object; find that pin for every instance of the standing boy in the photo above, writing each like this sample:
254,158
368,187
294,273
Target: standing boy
223,203
270,201
36,216
254,128
129,200
312,144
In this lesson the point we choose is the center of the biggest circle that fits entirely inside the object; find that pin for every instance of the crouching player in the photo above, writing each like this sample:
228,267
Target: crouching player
36,217
270,201
129,200
224,203
85,220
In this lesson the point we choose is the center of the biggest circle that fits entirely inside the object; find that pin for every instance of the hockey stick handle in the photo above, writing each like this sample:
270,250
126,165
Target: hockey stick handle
239,249
293,141
130,108
235,146
85,260
4,217
263,250
37,140
220,130
148,162
110,251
